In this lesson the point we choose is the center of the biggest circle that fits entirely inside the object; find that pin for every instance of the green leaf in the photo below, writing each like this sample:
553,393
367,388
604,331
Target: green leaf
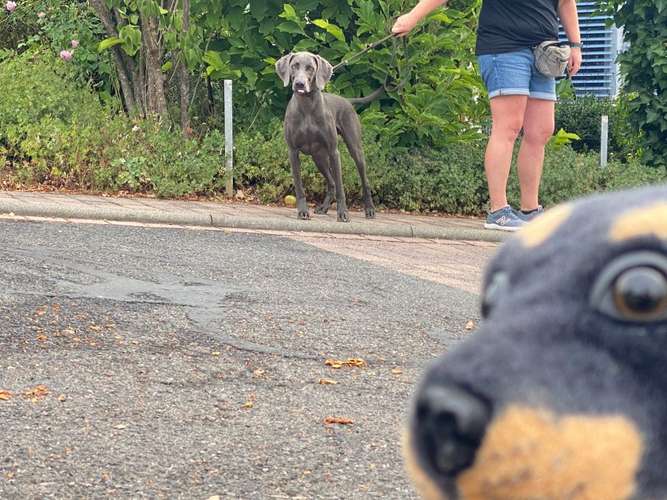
107,43
289,13
290,27
330,28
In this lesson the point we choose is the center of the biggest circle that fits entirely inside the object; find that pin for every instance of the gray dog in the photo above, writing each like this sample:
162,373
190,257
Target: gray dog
312,123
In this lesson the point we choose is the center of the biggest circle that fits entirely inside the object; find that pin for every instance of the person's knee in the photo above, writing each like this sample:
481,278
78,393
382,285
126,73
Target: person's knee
507,130
538,134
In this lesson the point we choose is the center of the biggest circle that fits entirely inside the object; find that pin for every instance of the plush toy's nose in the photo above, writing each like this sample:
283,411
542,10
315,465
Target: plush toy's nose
450,425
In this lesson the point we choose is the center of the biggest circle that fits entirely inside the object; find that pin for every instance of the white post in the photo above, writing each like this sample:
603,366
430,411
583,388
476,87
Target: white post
229,140
604,140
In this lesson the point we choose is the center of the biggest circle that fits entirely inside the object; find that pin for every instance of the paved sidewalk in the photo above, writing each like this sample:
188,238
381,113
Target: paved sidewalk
235,215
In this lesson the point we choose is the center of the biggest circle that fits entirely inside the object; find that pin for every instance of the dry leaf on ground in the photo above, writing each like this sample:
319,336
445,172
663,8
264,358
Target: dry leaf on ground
352,362
396,371
470,325
326,381
5,395
338,420
37,392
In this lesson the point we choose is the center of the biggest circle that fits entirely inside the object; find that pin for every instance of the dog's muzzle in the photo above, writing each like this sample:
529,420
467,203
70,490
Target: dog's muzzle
300,87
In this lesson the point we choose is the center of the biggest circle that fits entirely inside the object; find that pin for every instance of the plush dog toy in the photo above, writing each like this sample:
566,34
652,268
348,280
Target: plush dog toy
562,392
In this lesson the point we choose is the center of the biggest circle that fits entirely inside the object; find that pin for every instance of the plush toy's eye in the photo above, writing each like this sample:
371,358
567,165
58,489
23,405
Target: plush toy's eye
641,294
497,286
633,288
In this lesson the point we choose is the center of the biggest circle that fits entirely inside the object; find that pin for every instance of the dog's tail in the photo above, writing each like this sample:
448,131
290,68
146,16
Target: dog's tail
360,101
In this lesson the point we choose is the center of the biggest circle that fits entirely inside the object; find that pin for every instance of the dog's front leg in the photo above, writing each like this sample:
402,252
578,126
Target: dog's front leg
341,205
301,205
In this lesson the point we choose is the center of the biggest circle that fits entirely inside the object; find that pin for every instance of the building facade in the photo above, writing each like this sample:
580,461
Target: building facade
599,74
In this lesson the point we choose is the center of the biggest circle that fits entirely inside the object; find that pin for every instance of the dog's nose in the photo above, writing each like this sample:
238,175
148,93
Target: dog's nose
449,426
299,85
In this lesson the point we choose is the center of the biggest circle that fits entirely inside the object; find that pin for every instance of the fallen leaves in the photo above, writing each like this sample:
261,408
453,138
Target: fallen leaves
250,402
470,325
326,381
36,393
397,371
41,310
350,362
338,420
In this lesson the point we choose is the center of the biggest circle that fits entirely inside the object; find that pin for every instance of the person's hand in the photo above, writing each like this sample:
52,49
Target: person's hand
574,63
404,24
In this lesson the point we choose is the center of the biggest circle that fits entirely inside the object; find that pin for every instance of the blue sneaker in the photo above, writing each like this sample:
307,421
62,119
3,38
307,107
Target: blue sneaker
504,219
527,217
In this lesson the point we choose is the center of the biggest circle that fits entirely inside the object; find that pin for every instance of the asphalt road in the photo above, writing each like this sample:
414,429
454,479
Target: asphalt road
175,363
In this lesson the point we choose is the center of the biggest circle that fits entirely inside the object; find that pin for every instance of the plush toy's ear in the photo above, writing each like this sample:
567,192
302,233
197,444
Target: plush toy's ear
324,72
283,68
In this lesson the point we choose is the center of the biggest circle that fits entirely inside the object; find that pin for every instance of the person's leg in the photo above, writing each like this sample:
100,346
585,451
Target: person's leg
507,114
538,127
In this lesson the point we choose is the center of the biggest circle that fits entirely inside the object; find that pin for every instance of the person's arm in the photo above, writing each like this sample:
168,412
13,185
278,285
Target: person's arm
567,11
407,22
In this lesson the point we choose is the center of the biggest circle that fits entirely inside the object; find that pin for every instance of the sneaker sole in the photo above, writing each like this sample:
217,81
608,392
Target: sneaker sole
500,228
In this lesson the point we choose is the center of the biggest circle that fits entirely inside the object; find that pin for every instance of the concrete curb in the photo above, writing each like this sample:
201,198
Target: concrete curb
211,219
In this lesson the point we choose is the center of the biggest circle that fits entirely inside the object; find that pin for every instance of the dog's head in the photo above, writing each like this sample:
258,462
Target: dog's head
306,71
562,392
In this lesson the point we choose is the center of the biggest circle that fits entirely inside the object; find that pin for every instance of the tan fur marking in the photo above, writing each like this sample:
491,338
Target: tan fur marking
529,453
423,484
645,221
539,230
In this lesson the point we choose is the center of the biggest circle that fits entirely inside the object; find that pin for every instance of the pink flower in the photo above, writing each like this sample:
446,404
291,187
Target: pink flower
10,6
41,15
75,44
65,55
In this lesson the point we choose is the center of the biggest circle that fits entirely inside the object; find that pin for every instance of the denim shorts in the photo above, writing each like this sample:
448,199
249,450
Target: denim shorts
514,73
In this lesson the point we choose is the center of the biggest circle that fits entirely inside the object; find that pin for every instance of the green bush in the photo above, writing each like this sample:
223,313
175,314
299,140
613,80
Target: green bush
449,180
56,133
582,116
643,65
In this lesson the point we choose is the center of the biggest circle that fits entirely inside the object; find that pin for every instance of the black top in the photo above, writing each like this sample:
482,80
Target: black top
508,25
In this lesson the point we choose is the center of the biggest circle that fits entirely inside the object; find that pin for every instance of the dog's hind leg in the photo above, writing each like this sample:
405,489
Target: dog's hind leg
337,171
351,133
321,160
301,205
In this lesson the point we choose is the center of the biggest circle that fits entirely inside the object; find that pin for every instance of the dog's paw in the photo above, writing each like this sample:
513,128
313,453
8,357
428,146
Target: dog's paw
343,217
303,214
370,212
322,209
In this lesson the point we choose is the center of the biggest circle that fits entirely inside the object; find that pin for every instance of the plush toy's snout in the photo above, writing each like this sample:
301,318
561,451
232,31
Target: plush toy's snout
450,423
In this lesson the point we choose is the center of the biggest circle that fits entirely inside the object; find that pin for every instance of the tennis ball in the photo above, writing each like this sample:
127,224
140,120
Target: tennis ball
290,200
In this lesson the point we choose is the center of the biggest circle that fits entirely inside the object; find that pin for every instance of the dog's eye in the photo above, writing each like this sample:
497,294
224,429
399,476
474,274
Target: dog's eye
633,288
309,69
495,289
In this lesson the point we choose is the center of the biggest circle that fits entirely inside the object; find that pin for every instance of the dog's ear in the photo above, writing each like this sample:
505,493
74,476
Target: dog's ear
324,72
283,68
